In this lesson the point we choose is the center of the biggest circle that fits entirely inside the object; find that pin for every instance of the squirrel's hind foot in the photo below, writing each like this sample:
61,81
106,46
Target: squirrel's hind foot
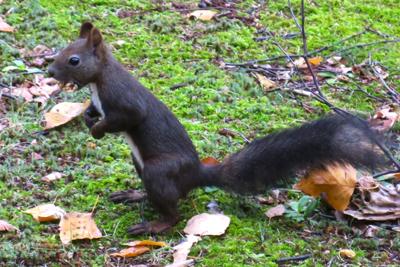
127,196
153,227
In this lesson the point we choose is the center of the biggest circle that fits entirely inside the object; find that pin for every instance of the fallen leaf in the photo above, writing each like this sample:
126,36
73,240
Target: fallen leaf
207,224
334,60
210,161
385,118
63,113
52,177
22,92
131,252
4,27
299,63
145,243
182,250
46,213
202,14
76,225
315,60
376,205
368,183
266,83
275,211
337,182
371,230
7,227
347,253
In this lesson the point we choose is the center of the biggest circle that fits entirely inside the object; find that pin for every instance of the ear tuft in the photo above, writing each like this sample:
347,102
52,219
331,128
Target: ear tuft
85,29
95,37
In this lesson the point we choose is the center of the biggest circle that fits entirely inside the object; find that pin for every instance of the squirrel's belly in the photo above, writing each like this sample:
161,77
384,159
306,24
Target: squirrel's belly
96,100
135,150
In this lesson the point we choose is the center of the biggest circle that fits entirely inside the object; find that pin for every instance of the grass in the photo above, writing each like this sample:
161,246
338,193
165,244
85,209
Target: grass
159,51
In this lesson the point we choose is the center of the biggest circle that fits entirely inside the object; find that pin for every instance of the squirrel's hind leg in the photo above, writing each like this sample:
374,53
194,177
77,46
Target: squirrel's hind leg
159,181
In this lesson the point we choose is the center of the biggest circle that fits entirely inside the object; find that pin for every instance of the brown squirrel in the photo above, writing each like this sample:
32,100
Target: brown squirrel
163,153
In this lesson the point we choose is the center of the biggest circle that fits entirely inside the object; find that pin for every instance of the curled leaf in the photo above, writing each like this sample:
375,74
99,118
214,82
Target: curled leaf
131,252
46,213
52,177
146,243
4,27
347,253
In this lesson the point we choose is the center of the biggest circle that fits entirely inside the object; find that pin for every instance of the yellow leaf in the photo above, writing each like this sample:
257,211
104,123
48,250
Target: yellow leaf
76,225
145,243
131,252
207,224
46,213
315,60
4,27
266,83
63,113
347,253
202,14
336,181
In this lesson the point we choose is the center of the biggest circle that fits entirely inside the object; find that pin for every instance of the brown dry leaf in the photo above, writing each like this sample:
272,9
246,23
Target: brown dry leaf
347,253
385,118
44,86
77,225
334,60
7,227
315,61
52,177
202,14
22,92
376,205
299,63
131,252
4,27
207,224
371,230
337,182
397,176
63,113
145,243
46,213
266,83
276,211
182,250
368,183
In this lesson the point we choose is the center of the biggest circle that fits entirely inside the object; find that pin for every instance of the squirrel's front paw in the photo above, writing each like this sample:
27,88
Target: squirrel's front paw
90,120
96,131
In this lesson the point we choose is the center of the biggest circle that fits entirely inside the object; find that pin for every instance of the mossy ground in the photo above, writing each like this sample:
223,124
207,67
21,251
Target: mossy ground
160,54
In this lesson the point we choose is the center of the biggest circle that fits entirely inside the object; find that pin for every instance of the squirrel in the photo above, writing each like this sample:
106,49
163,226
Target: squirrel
164,155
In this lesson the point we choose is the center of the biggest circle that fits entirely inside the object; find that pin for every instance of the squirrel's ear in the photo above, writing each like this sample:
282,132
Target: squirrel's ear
95,38
85,29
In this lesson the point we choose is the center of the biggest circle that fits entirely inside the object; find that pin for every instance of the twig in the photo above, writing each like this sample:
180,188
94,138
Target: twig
397,40
295,258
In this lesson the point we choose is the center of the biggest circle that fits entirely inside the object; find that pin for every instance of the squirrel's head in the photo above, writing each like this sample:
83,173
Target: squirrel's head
81,61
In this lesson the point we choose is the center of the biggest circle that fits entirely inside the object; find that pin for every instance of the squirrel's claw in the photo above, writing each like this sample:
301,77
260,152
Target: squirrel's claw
153,227
127,196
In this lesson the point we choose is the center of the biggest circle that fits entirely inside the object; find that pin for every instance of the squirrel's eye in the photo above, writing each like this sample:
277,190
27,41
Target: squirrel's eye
74,60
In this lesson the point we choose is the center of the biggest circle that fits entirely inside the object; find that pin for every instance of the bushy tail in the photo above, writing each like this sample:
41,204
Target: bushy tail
276,157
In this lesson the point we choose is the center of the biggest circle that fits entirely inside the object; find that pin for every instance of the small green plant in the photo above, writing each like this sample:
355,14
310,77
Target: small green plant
19,66
302,209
